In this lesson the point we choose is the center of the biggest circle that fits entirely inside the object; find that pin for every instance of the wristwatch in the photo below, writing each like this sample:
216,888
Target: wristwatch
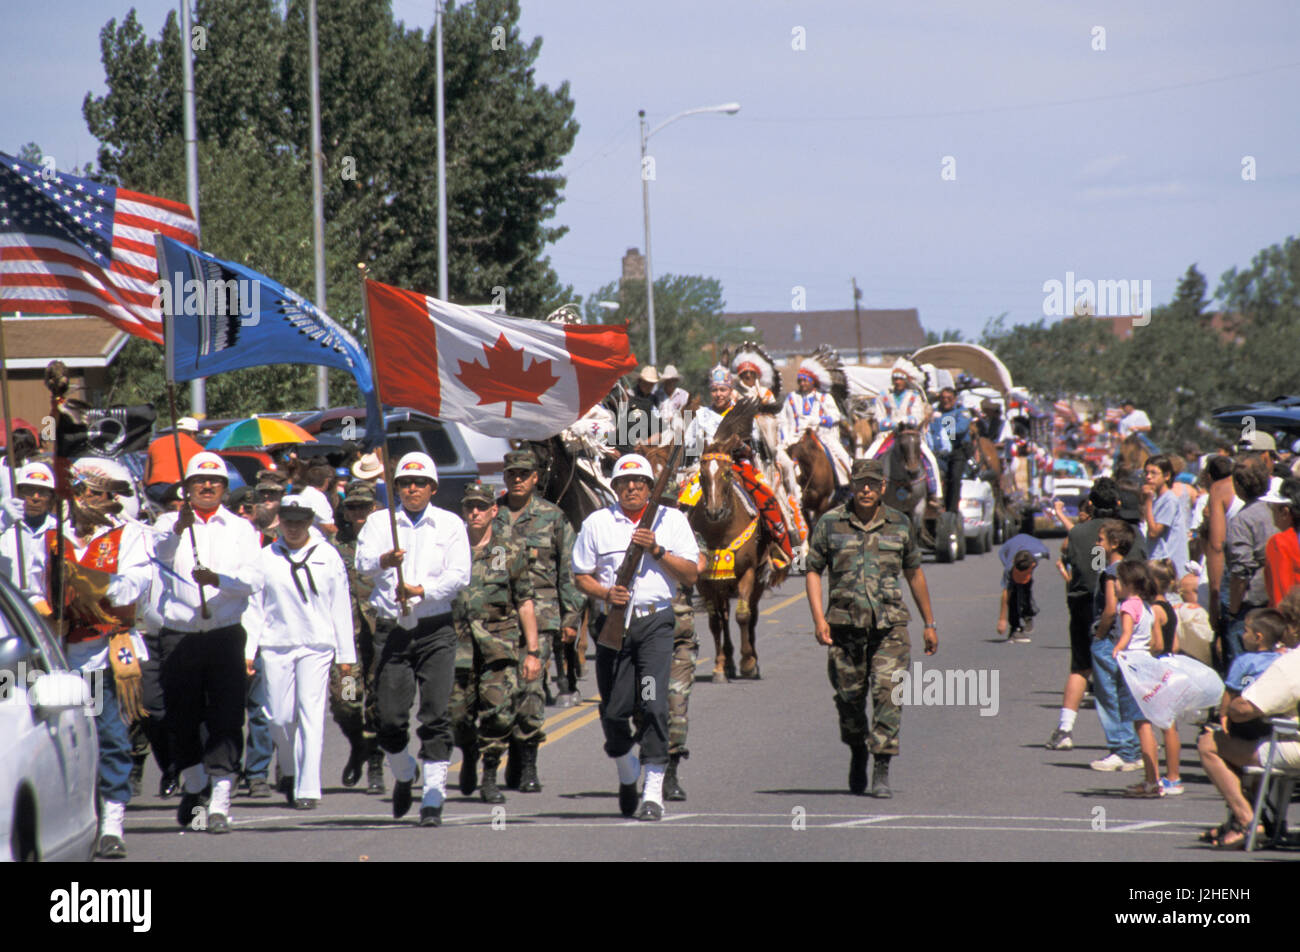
534,654
658,552
932,626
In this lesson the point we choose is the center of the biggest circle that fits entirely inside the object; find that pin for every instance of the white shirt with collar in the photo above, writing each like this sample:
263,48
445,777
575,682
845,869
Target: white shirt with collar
1137,418
603,540
228,545
437,559
319,504
33,541
283,616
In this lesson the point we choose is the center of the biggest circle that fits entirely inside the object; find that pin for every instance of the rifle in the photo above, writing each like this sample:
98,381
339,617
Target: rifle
611,633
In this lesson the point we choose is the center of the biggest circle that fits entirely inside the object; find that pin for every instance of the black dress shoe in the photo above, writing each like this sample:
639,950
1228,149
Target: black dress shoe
111,847
352,769
218,823
401,798
650,811
305,803
189,803
167,785
430,816
627,798
285,786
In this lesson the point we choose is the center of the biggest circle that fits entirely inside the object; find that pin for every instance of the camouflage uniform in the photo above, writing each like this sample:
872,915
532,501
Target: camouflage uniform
686,654
547,538
354,702
486,616
867,616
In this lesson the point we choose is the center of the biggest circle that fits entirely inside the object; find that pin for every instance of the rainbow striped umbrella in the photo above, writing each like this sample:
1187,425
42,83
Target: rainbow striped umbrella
258,431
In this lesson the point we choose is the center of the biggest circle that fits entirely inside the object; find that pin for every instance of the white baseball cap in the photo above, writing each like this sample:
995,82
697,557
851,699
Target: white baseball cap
416,464
36,474
207,464
187,424
633,464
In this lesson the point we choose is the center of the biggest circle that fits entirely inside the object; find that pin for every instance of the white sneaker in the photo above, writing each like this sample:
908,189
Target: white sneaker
1128,765
1109,762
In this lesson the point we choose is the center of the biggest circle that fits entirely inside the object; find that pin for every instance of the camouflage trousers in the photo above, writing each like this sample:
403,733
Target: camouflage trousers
681,678
862,660
530,696
354,700
483,695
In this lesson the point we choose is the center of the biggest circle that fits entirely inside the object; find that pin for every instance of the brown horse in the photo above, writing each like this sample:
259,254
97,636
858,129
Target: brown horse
736,560
905,484
816,477
989,465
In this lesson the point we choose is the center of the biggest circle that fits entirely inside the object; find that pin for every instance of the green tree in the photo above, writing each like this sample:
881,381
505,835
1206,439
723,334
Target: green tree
1262,311
689,329
949,335
506,139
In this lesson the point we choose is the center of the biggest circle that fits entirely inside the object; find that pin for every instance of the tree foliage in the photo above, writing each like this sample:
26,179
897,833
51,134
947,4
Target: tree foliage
506,138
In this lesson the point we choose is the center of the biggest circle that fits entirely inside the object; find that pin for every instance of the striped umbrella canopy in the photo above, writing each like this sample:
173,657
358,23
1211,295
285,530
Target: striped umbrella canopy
258,431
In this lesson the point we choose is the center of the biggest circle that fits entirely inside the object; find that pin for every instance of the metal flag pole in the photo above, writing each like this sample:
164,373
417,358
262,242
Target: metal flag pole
9,451
198,392
388,457
317,196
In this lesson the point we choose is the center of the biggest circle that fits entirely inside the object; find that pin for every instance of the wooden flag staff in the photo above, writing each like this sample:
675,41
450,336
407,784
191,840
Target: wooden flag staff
388,458
9,453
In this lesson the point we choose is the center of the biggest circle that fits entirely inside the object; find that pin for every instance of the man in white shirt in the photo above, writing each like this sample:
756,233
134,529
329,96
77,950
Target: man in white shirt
318,478
303,621
209,567
1133,421
414,638
29,519
637,675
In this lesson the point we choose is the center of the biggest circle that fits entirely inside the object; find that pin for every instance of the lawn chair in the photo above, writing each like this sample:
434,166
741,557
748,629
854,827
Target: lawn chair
1280,778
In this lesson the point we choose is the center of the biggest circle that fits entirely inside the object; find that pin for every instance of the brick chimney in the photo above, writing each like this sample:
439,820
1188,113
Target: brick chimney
633,265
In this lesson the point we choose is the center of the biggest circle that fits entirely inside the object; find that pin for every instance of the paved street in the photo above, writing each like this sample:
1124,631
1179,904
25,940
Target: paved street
767,774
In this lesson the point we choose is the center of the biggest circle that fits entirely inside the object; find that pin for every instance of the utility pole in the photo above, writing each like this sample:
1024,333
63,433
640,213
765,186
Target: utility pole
857,317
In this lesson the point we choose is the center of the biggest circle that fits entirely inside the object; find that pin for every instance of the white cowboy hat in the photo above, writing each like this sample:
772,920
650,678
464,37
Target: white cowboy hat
368,467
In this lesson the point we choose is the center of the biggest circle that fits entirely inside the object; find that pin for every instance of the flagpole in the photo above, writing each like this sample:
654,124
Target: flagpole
388,457
317,196
442,160
9,450
198,392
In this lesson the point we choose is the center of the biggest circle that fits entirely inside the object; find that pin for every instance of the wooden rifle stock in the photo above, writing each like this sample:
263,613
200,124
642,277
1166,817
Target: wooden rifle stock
611,633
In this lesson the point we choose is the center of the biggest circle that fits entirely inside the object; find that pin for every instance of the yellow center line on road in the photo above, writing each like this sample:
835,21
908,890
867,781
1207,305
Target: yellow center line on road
780,605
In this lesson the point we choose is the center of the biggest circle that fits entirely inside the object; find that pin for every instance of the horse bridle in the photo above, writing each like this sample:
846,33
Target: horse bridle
724,458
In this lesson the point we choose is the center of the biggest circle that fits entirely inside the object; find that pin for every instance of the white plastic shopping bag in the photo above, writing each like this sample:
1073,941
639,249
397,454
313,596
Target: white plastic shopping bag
1169,687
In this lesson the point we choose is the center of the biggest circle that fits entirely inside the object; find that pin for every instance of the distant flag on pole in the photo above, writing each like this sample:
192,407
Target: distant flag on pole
70,245
220,316
502,376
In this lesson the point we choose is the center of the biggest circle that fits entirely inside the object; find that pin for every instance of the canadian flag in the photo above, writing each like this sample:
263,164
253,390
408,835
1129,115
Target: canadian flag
502,376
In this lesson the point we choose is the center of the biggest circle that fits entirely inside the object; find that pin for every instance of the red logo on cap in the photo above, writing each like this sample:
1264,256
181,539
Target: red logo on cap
629,464
413,464
38,475
208,464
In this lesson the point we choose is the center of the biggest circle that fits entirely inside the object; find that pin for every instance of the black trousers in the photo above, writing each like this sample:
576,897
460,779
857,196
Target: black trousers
155,725
423,656
636,678
954,467
203,683
1020,604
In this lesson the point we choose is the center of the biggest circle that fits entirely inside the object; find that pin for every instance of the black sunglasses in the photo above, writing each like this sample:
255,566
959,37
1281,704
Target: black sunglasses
476,506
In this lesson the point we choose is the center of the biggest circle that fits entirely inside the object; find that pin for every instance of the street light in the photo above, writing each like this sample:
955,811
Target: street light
730,108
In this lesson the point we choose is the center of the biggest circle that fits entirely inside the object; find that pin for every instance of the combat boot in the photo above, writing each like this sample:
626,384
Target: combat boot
880,778
858,769
375,775
489,791
515,765
528,782
672,789
469,769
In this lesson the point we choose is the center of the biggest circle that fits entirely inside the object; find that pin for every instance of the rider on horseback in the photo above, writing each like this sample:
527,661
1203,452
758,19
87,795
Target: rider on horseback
813,408
905,406
704,425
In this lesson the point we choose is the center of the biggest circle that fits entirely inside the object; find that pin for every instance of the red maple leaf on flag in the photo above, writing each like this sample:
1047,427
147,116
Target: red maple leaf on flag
504,379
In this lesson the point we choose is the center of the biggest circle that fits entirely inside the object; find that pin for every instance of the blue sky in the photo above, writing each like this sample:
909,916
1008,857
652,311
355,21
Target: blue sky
1122,163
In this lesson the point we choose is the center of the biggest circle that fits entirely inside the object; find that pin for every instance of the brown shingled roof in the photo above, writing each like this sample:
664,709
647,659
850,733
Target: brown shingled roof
80,341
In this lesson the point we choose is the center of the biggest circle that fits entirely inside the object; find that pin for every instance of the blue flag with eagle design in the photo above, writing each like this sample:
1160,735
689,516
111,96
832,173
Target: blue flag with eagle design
219,316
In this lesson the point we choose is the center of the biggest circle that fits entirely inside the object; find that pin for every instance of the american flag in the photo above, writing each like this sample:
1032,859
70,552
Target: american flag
72,246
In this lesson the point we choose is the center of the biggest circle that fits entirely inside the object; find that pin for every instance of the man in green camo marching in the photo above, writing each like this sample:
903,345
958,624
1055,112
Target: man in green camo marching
544,533
353,700
489,615
681,678
866,546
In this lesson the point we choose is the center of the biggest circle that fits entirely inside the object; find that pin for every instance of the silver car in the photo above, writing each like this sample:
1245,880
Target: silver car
49,751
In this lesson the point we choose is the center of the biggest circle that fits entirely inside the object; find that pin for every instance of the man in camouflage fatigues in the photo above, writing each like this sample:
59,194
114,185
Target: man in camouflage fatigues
681,678
866,546
544,533
489,615
354,701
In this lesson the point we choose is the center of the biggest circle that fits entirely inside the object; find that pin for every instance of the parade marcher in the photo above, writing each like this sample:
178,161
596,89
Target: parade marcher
495,625
755,374
639,672
369,469
319,475
267,494
106,568
951,428
904,405
25,447
546,537
161,470
303,623
205,550
686,656
414,638
866,546
673,399
780,528
353,698
31,519
811,407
